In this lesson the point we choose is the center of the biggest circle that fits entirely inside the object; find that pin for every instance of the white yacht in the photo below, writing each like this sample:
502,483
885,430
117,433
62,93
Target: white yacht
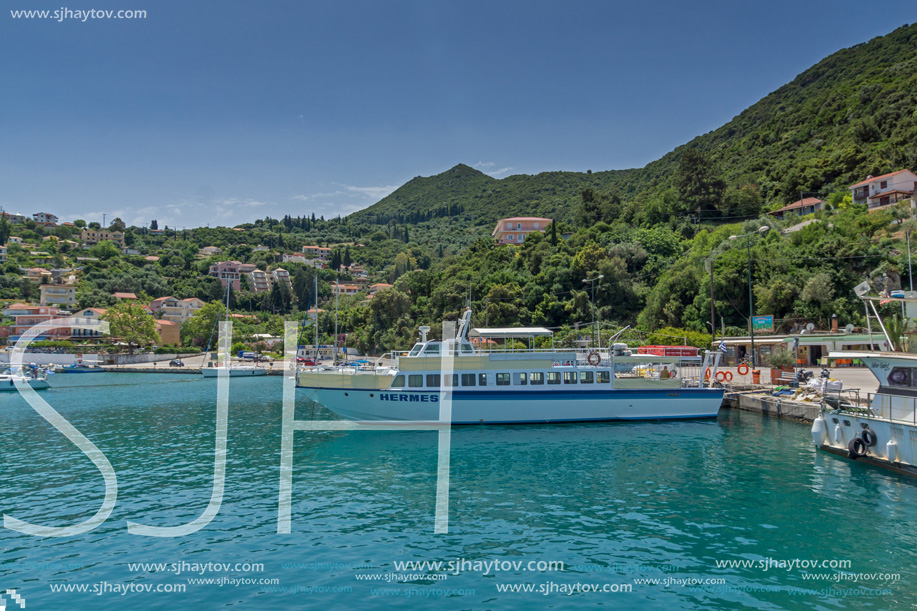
36,378
883,433
515,387
227,367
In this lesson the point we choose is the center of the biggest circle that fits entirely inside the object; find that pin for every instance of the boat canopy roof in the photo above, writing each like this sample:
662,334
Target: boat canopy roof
511,332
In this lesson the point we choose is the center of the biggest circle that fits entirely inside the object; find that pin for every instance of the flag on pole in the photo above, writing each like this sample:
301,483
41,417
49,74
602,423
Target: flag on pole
722,347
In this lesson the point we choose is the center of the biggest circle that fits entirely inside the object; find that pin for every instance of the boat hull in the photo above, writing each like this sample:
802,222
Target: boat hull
234,372
10,386
511,407
840,428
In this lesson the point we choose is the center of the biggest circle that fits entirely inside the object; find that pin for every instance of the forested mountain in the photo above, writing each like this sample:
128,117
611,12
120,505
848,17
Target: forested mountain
850,115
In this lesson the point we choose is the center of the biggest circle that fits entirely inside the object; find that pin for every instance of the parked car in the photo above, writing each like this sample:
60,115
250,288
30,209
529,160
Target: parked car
176,363
263,358
308,362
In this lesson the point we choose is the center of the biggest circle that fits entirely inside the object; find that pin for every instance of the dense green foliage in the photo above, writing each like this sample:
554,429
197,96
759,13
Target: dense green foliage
652,233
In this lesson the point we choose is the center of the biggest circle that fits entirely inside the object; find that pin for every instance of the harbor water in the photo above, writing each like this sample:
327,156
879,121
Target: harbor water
735,512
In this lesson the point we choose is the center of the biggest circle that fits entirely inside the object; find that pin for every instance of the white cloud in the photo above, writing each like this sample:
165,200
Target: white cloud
502,171
376,193
484,164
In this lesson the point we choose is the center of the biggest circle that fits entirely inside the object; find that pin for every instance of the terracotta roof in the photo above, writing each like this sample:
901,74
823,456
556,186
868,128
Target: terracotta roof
802,203
525,218
875,178
165,322
887,193
124,296
162,298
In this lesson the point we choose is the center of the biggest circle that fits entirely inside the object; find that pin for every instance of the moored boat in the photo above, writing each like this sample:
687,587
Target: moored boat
35,377
884,431
516,387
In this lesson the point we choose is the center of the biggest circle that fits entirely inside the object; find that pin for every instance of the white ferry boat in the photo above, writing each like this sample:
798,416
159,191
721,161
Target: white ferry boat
516,387
885,432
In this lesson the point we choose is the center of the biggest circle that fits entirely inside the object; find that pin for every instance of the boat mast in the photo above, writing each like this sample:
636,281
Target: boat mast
337,289
315,359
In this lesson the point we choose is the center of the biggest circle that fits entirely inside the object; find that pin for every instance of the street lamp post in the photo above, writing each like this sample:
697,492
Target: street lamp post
591,282
751,303
712,306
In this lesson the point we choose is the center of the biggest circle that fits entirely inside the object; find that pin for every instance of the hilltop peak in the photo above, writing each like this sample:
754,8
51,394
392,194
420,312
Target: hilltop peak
461,170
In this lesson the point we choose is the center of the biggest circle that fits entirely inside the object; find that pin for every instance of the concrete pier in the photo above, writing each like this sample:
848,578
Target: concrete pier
780,407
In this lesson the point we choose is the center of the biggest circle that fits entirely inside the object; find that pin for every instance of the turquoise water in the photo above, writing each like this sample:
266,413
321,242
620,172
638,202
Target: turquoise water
614,502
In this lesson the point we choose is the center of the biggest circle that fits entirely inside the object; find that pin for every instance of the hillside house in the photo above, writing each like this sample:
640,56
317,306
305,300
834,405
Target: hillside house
801,207
228,272
885,190
513,230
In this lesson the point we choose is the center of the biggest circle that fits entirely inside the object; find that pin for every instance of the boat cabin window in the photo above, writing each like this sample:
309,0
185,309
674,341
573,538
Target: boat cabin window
503,379
569,377
902,377
553,377
468,379
482,379
536,378
415,380
603,377
585,377
398,382
522,379
431,350
415,350
433,380
467,349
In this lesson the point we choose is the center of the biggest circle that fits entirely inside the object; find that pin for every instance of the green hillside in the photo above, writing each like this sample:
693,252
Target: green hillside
852,114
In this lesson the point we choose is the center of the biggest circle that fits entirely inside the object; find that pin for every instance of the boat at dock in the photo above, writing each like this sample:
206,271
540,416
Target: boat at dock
884,431
516,386
35,377
227,367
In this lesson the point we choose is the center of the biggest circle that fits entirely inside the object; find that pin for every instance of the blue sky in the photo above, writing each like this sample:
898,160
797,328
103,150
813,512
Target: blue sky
224,112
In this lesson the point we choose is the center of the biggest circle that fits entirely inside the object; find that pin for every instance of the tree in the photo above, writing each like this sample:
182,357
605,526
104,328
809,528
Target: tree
80,223
698,182
4,230
154,225
553,233
117,225
104,250
202,325
130,323
347,260
335,263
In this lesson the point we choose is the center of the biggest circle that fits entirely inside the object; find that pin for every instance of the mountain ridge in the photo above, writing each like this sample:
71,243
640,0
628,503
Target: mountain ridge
845,117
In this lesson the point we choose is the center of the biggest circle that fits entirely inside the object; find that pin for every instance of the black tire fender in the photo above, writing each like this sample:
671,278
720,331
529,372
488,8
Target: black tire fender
869,437
856,448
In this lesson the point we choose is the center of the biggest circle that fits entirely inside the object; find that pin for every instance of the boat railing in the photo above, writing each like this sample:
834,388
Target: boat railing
892,408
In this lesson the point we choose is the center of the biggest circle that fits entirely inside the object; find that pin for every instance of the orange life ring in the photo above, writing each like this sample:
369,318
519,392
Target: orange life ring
720,376
707,374
741,367
594,361
728,376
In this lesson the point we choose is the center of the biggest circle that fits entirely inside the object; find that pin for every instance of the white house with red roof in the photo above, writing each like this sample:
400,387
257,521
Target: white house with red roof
801,207
885,190
513,230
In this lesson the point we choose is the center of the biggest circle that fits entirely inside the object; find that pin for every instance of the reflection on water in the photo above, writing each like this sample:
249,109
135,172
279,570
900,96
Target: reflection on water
685,494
